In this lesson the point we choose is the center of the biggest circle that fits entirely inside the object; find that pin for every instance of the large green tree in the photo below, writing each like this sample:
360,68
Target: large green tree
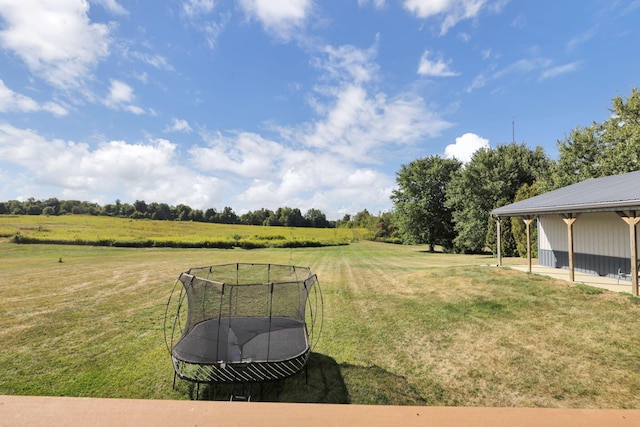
490,180
601,149
420,211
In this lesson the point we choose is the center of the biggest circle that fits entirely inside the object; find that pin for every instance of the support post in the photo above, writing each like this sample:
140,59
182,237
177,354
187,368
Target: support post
569,219
499,239
632,219
527,222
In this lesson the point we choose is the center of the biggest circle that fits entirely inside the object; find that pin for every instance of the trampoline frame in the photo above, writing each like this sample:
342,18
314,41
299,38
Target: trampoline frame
222,368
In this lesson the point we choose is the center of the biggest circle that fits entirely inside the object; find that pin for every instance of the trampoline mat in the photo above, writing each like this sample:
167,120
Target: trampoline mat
243,339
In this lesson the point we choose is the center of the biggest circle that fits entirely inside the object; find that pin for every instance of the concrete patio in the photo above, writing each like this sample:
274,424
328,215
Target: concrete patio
608,283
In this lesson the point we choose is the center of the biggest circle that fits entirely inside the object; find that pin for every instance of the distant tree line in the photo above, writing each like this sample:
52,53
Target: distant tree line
381,225
443,202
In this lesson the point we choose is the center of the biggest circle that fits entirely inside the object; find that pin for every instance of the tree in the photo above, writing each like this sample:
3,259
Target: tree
140,207
490,180
290,217
386,228
420,211
315,218
228,216
54,204
182,212
160,211
256,217
601,149
363,219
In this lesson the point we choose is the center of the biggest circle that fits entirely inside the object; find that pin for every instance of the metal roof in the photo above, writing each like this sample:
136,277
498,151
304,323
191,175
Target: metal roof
610,193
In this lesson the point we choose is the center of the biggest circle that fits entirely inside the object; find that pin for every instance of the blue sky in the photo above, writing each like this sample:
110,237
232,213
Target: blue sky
299,103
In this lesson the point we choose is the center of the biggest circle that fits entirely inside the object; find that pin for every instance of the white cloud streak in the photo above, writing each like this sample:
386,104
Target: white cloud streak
451,11
112,6
197,7
11,101
559,70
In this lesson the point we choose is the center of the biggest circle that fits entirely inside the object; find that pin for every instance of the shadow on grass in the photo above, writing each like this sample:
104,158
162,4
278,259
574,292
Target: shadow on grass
325,381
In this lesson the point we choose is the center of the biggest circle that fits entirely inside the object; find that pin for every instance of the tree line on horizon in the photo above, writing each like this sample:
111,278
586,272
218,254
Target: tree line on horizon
444,202
284,216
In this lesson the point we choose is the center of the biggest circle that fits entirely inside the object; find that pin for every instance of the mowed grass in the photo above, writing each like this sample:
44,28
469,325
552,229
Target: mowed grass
401,326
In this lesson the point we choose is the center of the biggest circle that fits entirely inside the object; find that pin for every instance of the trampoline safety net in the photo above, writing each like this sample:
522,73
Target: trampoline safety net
241,323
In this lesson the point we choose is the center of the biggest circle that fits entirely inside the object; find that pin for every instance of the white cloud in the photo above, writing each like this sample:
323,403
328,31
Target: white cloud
156,61
279,17
581,39
245,154
524,65
543,67
213,29
147,171
322,181
378,4
478,82
436,68
452,11
465,146
356,120
519,22
178,125
11,101
55,39
121,96
561,69
112,6
197,7
119,92
348,63
198,14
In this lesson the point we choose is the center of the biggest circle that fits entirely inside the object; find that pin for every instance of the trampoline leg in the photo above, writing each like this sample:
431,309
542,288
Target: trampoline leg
174,381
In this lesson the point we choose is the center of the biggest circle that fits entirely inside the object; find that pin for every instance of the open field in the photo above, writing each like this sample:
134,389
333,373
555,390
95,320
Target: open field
113,231
401,326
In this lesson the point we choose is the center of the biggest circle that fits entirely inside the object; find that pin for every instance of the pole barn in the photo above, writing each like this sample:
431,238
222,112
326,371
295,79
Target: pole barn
589,227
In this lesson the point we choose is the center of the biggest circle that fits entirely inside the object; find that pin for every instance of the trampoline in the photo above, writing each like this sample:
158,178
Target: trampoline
242,323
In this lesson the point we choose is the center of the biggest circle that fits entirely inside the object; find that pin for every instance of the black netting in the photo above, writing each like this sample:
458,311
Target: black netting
242,314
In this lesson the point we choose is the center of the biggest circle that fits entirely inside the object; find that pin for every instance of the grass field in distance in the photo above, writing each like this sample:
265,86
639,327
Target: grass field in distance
113,231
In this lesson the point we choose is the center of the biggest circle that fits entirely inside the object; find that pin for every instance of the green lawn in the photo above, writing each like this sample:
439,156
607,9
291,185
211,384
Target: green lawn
401,326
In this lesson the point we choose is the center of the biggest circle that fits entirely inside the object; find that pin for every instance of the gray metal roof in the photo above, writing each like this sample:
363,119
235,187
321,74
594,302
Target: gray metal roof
610,193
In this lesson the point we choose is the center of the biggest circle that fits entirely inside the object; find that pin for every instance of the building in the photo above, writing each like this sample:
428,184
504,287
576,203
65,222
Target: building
590,226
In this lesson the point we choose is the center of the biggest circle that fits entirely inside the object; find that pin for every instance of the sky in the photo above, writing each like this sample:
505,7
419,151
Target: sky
302,103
